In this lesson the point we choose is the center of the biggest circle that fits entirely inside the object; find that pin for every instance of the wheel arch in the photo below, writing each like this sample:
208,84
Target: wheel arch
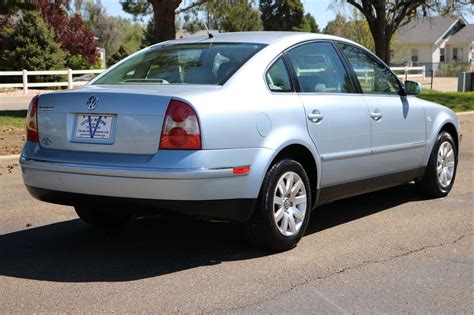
451,129
443,120
303,155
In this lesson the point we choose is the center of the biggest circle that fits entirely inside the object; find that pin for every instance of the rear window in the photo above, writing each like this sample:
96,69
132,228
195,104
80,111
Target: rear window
197,63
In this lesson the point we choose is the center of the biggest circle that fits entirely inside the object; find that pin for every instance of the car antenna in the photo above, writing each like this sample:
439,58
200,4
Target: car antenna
207,30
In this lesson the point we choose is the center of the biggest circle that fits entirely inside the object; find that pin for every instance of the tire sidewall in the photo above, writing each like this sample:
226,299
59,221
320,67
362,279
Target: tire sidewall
443,137
275,174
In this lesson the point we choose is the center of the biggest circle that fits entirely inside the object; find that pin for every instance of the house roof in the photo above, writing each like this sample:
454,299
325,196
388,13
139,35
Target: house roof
425,30
465,35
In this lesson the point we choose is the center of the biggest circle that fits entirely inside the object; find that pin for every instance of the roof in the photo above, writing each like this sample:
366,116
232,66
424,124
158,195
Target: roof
465,35
425,30
250,37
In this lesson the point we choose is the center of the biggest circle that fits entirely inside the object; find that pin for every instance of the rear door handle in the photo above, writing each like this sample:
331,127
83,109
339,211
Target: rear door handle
315,116
376,115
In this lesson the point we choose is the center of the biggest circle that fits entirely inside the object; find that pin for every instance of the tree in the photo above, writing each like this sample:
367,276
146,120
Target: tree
353,28
119,55
311,22
149,34
111,31
29,44
164,12
234,15
384,17
70,31
283,15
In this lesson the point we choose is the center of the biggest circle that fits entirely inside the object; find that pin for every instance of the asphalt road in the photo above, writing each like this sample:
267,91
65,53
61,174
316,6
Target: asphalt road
385,252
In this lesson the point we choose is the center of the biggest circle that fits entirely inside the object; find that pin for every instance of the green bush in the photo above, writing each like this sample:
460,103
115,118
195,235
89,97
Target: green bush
452,69
30,45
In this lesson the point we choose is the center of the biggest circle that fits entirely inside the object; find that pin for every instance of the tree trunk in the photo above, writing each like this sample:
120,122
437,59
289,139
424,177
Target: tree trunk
164,12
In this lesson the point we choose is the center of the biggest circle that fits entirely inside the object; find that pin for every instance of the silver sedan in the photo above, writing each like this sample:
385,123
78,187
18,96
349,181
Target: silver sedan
259,128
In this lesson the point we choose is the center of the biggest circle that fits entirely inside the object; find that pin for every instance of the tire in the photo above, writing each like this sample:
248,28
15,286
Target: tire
266,229
432,185
103,218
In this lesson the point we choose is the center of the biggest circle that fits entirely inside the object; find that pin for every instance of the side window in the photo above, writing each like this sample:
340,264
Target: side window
373,76
278,79
319,70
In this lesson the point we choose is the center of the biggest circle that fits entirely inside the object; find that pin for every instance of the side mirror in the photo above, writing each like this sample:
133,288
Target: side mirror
412,88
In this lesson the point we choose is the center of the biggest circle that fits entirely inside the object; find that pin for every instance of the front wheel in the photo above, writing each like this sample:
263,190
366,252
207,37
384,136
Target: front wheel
103,218
441,170
283,208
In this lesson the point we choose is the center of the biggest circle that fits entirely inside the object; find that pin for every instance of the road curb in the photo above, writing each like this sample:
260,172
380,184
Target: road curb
465,113
9,157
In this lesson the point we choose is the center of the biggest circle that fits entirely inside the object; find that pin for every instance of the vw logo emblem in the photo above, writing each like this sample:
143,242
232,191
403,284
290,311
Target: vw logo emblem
92,102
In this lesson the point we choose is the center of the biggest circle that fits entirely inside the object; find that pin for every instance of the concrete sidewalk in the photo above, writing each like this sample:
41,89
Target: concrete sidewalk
15,102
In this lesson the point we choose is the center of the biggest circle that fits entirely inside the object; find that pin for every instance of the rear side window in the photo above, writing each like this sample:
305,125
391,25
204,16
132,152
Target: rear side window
196,63
318,69
278,78
374,77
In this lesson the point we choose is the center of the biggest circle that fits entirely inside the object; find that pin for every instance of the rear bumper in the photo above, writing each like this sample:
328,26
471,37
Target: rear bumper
197,183
236,210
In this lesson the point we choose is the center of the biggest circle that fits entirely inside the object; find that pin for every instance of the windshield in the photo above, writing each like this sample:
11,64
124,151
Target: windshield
197,63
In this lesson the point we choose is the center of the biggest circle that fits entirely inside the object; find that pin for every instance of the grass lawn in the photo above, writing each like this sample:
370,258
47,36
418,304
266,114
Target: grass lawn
457,101
15,119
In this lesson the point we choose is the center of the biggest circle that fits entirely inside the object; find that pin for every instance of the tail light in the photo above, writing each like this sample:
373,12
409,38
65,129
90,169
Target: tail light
32,121
181,129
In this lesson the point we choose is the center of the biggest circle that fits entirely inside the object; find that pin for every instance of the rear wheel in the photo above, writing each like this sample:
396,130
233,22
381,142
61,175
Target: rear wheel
283,208
105,218
441,170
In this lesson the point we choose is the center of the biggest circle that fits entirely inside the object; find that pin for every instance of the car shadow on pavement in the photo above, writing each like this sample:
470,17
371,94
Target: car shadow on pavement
71,251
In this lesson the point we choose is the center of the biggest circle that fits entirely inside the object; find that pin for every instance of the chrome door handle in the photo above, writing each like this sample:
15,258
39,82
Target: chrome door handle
315,116
376,115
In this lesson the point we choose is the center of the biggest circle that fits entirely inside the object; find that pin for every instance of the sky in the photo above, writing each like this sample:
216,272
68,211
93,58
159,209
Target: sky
322,10
318,8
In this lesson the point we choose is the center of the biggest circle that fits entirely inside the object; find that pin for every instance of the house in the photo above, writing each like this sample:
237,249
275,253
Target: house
432,41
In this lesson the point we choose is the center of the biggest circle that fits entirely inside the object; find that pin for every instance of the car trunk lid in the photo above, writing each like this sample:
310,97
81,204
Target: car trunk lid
106,119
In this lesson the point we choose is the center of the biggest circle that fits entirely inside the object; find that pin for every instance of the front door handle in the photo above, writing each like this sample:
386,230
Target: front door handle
315,116
376,115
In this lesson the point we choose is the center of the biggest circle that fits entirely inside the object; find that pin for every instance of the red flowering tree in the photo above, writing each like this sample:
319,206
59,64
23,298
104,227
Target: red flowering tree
75,37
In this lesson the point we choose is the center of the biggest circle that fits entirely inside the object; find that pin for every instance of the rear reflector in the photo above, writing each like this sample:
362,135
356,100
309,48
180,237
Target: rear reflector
181,129
241,170
32,121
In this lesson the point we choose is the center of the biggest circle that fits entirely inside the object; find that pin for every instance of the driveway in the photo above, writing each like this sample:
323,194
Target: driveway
390,252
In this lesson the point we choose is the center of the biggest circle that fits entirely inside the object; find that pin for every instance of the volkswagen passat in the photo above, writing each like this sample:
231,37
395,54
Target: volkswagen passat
258,128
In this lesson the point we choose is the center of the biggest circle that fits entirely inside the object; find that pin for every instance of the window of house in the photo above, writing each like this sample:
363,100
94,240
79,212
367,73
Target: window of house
414,55
441,54
457,54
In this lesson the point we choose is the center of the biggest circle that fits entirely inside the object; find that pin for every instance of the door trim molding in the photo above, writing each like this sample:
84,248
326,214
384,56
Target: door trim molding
399,147
345,155
368,152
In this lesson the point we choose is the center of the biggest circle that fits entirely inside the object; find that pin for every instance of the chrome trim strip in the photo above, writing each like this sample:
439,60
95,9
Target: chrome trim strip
130,172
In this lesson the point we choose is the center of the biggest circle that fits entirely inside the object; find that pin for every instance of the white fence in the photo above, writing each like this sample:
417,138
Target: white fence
25,73
412,72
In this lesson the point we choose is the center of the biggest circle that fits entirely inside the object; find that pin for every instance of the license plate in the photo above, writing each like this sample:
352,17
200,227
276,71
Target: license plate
97,127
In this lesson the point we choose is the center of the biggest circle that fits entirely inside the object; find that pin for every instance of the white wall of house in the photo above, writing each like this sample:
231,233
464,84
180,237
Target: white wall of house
465,56
403,54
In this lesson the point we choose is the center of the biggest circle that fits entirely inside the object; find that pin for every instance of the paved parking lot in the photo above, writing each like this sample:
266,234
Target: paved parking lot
390,252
